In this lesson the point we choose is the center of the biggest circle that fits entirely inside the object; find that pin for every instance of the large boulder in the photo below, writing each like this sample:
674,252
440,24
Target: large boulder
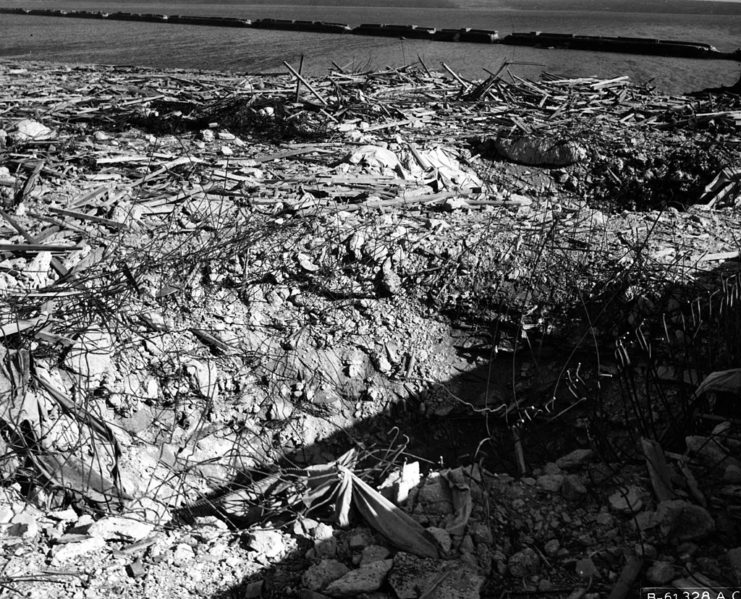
540,151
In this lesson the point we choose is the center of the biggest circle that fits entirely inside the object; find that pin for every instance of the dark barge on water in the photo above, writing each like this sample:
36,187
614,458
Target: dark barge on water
398,31
295,25
536,39
467,35
628,45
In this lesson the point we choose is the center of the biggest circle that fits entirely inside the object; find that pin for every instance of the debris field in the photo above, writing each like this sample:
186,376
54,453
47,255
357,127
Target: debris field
391,334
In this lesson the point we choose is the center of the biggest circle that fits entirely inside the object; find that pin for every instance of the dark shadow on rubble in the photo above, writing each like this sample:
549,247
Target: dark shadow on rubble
518,407
254,119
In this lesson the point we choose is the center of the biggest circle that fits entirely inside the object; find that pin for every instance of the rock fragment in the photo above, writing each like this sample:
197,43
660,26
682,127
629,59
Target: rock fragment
373,553
120,527
366,579
524,563
574,459
626,500
320,575
69,551
268,543
540,151
734,560
660,573
683,521
30,130
550,482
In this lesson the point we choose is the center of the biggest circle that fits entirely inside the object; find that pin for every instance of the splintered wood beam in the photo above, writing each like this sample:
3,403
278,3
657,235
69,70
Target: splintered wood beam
308,85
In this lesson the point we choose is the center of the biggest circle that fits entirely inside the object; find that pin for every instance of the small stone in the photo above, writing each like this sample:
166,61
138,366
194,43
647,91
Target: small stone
268,543
660,573
574,459
684,521
320,575
732,474
585,568
524,563
734,559
389,281
326,548
645,520
626,501
323,532
480,532
27,130
373,553
366,579
466,545
604,519
182,554
359,540
25,523
207,135
119,527
435,496
280,409
69,551
304,260
551,547
136,569
6,514
573,488
210,522
551,468
67,515
550,482
686,550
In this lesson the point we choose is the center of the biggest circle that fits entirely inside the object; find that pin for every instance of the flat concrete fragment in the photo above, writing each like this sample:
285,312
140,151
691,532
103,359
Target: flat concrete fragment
366,579
69,551
320,575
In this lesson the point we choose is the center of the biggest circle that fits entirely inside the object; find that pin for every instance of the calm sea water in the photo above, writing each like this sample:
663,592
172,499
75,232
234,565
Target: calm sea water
246,50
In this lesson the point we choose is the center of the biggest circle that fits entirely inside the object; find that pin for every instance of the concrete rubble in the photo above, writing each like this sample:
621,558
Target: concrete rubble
215,287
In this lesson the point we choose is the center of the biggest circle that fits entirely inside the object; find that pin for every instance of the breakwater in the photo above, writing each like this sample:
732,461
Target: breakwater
535,39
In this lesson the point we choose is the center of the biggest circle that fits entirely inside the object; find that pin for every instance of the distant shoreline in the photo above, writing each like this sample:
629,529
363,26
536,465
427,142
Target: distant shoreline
251,50
729,7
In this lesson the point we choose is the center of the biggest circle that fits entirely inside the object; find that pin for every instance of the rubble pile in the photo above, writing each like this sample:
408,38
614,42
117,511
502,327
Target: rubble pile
216,285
